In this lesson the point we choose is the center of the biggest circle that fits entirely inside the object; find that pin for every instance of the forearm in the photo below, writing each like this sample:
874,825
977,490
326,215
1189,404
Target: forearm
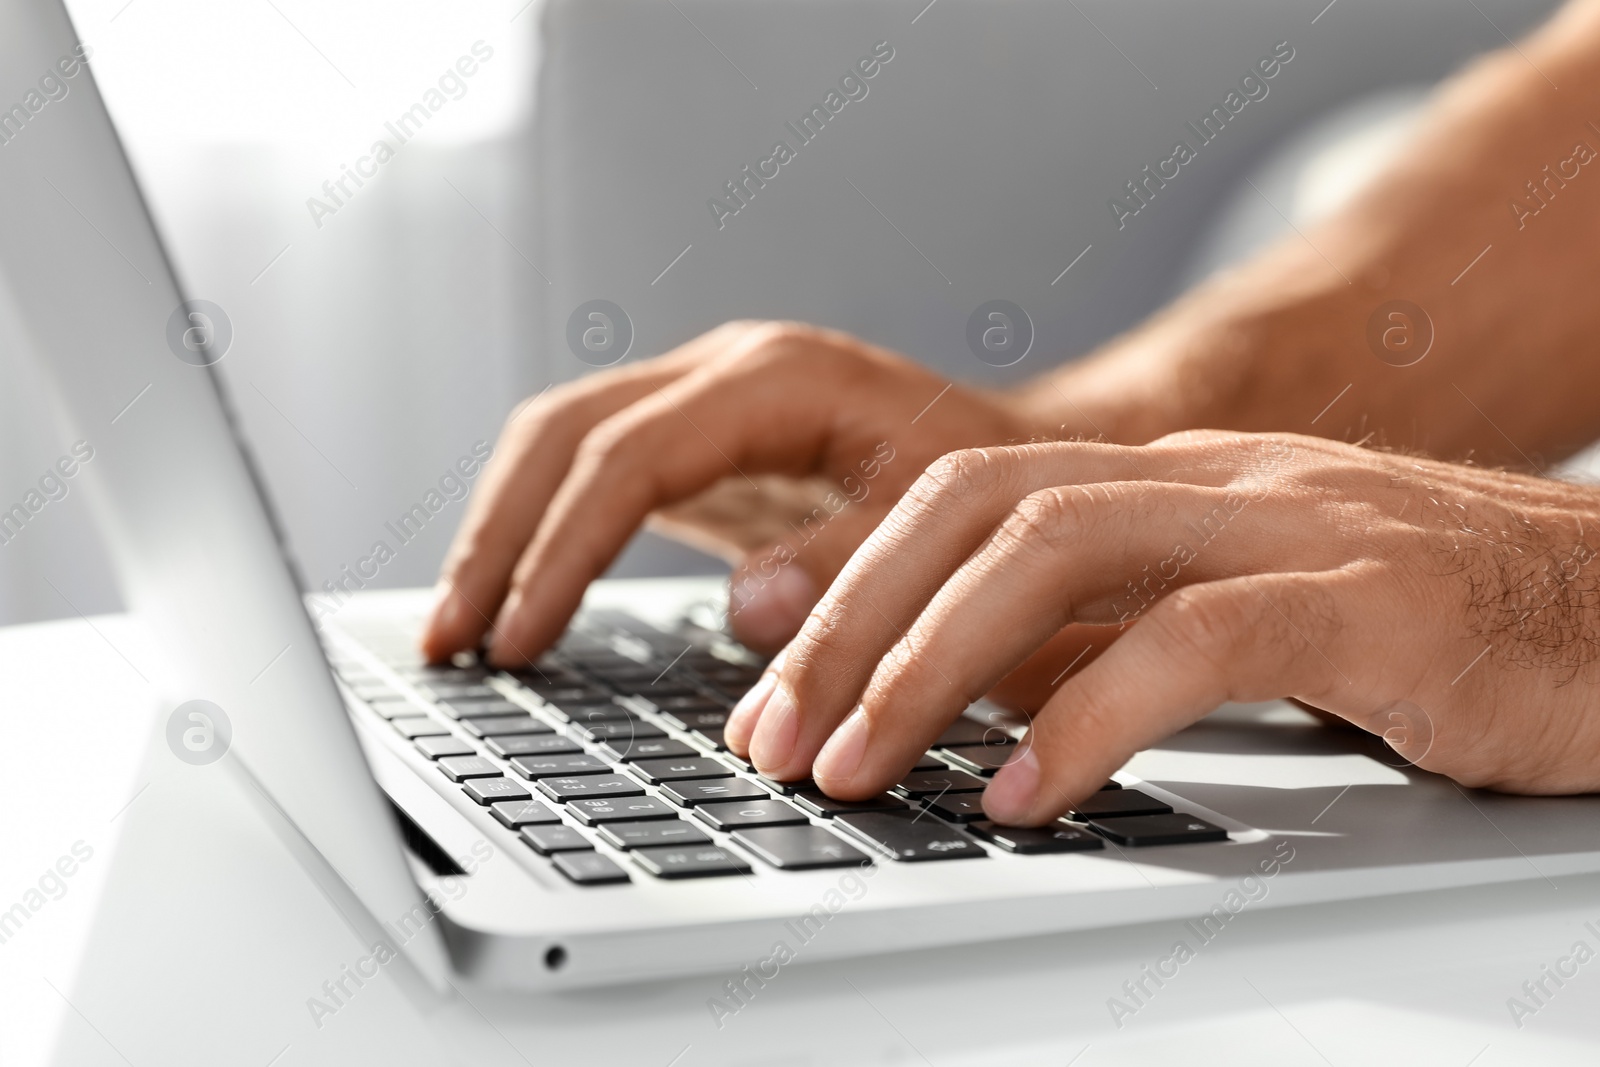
1514,367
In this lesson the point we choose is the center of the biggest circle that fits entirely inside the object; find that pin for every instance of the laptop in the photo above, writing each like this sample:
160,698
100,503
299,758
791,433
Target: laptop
579,822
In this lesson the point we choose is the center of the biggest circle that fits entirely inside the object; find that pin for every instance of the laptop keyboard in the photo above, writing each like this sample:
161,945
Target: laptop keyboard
615,740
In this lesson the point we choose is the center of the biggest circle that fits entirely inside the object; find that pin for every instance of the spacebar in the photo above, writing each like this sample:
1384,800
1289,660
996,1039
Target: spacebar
910,836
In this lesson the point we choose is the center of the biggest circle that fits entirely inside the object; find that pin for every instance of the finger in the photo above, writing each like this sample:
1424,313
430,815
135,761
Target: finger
756,409
941,520
533,454
1060,556
747,712
1244,639
734,518
770,596
786,540
776,586
1034,680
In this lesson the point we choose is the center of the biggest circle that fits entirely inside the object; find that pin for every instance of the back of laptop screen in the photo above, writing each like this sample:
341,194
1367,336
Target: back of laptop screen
86,292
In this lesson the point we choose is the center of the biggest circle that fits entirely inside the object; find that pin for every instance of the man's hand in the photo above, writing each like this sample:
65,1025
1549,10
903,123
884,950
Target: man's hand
776,445
1242,567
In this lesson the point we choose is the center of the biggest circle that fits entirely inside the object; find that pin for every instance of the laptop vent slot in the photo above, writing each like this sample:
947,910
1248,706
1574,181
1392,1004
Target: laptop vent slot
425,848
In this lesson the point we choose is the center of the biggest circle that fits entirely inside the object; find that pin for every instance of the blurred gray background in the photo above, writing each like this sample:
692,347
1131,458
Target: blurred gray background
374,350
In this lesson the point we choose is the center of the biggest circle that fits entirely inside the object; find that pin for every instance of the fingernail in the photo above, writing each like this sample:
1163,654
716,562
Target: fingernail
840,758
765,613
501,652
772,746
1009,797
742,719
444,619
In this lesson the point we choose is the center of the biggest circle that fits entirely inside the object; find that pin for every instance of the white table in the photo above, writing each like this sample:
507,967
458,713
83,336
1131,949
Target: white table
192,937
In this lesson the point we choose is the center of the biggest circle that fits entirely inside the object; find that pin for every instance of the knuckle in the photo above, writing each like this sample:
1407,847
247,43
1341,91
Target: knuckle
811,657
956,477
558,411
1180,438
777,341
530,412
1207,625
1277,449
1048,517
738,327
608,445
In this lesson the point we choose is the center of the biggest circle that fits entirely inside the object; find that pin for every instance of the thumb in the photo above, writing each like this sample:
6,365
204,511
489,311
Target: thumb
775,587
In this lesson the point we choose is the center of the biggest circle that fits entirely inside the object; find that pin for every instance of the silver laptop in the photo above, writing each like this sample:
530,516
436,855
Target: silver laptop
579,822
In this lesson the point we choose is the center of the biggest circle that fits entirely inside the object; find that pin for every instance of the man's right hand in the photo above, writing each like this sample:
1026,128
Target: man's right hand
776,445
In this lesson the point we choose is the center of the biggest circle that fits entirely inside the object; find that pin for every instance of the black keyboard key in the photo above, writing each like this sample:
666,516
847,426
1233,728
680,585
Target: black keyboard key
672,707
559,765
415,726
728,676
1032,840
929,762
446,673
979,759
1172,829
694,861
563,710
665,689
1116,803
657,832
578,642
738,763
690,794
799,848
488,790
461,768
712,737
443,745
505,725
592,785
451,691
965,731
903,836
656,771
554,837
513,814
608,661
957,807
464,709
395,707
575,695
623,671
742,813
594,811
589,868
531,745
655,748
787,788
593,713
817,802
553,679
710,716
920,784
613,732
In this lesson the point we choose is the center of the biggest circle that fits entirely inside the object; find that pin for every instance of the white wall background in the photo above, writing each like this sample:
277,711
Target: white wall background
373,351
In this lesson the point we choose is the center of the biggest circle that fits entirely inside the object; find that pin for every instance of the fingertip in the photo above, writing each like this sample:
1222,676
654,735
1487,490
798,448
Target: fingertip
506,645
1013,793
772,744
448,629
836,766
742,720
